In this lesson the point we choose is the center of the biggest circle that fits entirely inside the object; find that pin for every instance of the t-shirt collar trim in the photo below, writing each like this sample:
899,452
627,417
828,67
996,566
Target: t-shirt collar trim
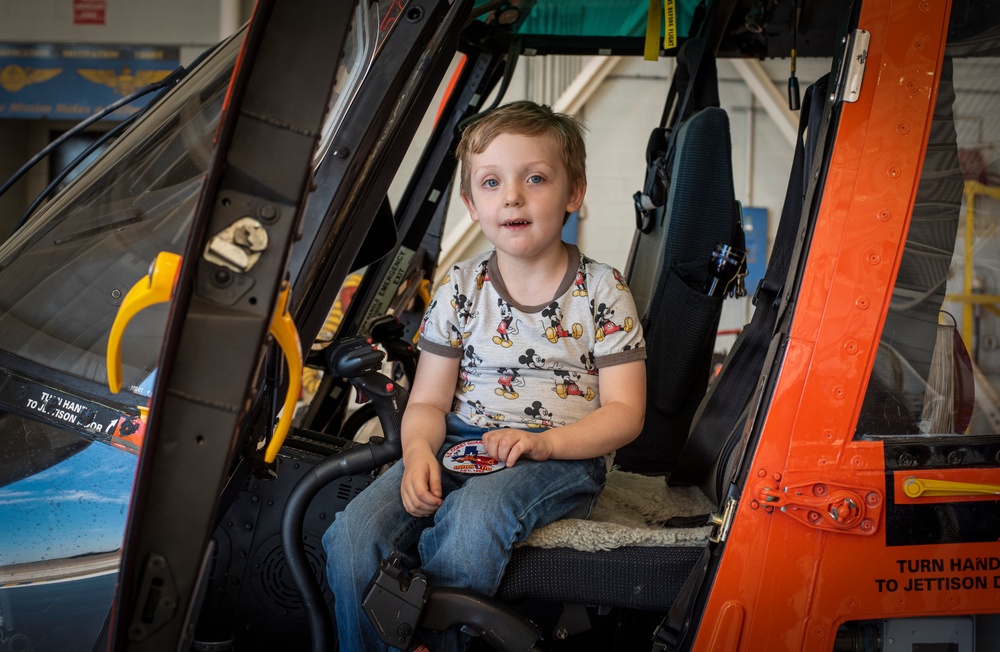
567,282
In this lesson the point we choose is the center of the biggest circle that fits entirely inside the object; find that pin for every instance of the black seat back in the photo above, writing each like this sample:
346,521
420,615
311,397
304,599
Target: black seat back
669,267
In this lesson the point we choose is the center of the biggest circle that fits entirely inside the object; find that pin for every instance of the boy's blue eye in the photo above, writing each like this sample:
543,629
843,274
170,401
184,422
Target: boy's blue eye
491,183
535,178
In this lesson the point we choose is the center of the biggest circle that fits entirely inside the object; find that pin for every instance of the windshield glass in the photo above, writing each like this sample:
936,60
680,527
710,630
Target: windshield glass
587,18
64,492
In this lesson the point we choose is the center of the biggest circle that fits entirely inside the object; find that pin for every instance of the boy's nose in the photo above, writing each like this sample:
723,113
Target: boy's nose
513,196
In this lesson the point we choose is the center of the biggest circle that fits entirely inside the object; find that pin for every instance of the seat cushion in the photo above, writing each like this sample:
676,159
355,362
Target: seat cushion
634,577
623,556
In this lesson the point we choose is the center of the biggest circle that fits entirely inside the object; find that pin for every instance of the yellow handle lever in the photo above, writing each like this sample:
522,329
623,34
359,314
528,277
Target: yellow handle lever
155,287
284,332
917,487
158,286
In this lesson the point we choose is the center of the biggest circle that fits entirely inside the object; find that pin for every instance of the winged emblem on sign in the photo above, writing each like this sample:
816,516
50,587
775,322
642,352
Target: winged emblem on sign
13,77
124,82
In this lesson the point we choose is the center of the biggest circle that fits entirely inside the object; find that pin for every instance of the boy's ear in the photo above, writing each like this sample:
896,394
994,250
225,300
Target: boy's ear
471,207
576,197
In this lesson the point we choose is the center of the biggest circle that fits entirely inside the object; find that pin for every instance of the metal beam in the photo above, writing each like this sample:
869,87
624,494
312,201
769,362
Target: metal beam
585,84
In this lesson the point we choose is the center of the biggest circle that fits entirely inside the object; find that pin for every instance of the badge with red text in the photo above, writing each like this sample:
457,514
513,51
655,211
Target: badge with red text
470,458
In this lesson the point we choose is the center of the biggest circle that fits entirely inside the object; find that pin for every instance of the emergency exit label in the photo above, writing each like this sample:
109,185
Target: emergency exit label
89,12
943,574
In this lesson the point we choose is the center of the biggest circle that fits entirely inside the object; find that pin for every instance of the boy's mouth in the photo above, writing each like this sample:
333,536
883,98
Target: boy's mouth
515,223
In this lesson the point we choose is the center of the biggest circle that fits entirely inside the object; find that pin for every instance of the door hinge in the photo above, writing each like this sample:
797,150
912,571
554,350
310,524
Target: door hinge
824,505
852,67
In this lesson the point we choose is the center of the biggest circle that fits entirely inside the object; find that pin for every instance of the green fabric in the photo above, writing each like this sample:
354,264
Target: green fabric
595,18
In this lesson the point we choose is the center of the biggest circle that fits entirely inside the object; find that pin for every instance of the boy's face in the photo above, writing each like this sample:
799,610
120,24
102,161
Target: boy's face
520,194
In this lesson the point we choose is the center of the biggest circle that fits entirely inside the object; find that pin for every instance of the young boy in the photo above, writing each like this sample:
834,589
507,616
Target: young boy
533,349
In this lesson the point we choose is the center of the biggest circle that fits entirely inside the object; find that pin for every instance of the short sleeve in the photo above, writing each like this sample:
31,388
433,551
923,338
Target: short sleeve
439,331
619,334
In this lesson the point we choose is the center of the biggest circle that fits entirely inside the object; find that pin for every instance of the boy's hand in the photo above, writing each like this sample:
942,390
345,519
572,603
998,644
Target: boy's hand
510,444
420,488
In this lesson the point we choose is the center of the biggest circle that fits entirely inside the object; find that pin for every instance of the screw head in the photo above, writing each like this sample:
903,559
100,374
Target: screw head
222,277
268,212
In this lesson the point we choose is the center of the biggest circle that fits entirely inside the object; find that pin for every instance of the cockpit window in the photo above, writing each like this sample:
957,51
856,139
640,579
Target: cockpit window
65,273
937,370
64,492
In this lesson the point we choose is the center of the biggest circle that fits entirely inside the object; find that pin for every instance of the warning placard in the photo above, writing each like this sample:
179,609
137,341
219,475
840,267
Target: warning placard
943,574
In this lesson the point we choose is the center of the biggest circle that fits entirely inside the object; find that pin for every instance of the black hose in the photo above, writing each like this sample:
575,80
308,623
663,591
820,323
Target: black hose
351,461
105,137
83,124
358,360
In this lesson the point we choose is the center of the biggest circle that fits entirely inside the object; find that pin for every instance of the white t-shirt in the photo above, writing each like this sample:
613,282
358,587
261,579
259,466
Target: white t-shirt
531,366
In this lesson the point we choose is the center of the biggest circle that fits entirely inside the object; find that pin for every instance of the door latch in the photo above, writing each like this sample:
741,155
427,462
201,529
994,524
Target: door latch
825,506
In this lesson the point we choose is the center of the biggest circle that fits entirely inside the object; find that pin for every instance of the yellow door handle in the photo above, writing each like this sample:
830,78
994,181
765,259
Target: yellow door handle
284,332
917,487
158,286
155,287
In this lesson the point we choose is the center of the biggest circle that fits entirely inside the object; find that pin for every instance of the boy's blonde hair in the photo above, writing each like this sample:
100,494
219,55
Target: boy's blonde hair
525,118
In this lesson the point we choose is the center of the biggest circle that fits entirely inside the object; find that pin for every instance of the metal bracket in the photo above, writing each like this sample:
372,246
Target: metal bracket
852,67
157,601
238,246
824,506
722,521
394,602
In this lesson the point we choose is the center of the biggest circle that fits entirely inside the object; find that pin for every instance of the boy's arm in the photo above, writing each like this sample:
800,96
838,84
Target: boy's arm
617,422
423,432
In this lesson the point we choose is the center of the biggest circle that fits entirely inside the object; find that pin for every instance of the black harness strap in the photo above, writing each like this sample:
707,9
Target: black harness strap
672,631
662,140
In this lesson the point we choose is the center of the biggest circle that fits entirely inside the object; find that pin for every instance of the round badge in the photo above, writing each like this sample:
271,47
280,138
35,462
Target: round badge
470,458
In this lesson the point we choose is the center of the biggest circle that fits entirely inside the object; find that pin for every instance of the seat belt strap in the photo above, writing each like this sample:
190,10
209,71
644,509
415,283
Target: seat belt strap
662,141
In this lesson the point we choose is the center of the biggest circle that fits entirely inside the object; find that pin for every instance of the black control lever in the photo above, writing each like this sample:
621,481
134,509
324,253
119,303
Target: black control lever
398,603
353,357
358,360
390,332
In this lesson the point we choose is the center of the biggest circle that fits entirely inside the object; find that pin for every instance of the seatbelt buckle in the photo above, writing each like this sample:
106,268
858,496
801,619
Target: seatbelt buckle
645,212
774,290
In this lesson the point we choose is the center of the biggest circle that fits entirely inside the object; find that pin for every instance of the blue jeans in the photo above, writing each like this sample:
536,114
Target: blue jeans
467,543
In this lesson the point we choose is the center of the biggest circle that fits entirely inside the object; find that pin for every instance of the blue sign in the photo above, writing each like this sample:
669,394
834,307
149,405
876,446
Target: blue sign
755,229
73,82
